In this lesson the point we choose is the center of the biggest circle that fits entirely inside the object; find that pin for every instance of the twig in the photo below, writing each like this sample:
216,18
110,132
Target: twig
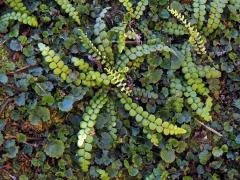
4,105
28,138
3,42
21,69
13,177
209,128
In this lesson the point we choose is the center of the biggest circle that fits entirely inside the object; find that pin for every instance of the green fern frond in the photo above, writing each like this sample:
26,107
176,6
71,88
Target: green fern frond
111,110
149,121
20,17
85,135
195,38
17,5
128,5
92,49
140,8
105,46
173,28
68,8
118,78
199,8
215,14
140,51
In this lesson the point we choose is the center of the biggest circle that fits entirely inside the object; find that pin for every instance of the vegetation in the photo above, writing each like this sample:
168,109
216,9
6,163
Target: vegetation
119,89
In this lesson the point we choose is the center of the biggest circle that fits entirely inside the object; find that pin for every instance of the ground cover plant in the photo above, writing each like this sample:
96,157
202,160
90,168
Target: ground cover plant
119,89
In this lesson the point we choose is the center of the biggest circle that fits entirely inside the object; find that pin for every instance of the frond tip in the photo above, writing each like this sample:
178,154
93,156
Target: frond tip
149,122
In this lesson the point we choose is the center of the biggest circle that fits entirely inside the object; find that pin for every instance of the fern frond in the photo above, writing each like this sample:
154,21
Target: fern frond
140,8
128,5
118,78
173,28
104,45
87,74
195,38
150,123
140,51
144,94
176,91
19,16
68,8
197,105
85,135
92,49
191,73
111,110
17,5
215,14
88,77
199,8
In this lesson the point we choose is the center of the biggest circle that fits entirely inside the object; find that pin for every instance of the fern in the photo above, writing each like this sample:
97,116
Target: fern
139,51
111,110
85,138
68,8
149,121
92,49
17,5
128,5
195,39
118,78
18,16
216,9
199,8
174,29
141,6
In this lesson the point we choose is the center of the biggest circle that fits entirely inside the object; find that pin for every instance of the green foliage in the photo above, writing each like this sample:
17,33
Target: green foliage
173,28
85,138
68,8
39,114
167,155
151,124
216,10
139,51
18,16
195,38
99,99
17,5
199,8
54,148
